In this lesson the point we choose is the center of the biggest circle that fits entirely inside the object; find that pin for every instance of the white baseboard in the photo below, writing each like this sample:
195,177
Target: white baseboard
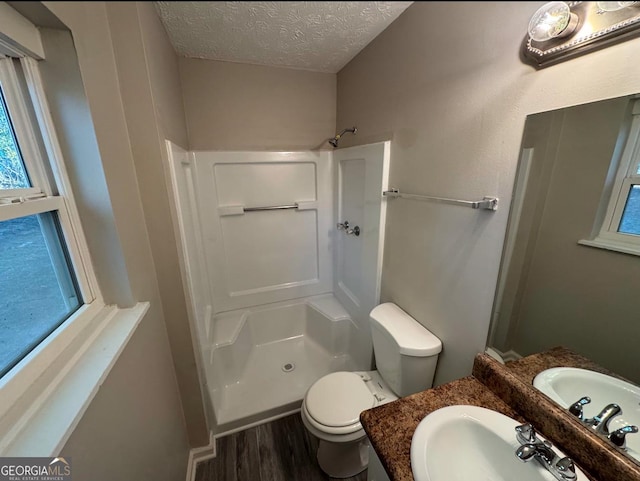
244,427
197,455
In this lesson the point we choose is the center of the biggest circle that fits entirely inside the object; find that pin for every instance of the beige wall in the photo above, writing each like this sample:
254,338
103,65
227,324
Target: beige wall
134,429
150,88
232,106
164,76
533,178
69,108
569,294
453,95
135,426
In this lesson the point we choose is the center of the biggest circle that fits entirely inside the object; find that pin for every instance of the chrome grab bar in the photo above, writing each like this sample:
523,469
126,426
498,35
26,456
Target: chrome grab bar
270,207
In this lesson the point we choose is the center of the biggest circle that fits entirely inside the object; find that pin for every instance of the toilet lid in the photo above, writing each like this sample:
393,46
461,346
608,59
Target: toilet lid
337,399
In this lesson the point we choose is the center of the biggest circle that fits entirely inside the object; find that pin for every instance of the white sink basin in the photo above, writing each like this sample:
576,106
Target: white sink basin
565,385
462,443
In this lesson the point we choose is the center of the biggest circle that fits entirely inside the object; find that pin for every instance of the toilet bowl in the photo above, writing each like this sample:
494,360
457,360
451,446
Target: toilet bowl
406,354
331,412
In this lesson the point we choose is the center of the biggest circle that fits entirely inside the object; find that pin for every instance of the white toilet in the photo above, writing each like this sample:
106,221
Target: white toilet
406,355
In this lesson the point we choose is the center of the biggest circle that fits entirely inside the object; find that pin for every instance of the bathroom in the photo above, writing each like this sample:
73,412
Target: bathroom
443,83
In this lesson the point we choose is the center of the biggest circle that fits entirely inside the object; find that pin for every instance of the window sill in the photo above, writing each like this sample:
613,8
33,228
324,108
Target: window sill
611,245
45,410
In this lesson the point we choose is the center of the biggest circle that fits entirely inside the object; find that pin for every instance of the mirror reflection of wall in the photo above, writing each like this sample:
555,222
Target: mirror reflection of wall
553,291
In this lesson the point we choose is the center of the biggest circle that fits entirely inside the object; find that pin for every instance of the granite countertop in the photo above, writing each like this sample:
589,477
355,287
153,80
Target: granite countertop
390,427
506,389
513,383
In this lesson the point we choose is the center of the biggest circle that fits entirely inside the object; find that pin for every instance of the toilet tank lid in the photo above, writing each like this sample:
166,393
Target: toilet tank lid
412,337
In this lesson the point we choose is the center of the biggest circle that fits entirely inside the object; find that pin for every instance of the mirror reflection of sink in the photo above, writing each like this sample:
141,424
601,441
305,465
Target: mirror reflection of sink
566,385
462,442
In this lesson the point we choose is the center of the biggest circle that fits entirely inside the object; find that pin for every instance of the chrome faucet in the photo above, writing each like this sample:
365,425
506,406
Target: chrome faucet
600,423
562,469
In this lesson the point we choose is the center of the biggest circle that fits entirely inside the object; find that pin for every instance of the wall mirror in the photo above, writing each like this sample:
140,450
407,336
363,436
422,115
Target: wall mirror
556,288
553,290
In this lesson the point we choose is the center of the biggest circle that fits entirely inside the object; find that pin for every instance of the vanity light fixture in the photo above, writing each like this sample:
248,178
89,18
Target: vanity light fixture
552,20
562,30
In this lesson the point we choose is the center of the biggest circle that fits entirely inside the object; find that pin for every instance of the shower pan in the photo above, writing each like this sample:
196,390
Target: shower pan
265,358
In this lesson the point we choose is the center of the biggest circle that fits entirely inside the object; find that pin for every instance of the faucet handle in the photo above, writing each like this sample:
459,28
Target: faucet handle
526,433
526,451
576,408
566,468
617,437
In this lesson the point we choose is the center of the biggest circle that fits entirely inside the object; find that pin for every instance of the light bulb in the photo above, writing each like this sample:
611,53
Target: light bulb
613,6
552,20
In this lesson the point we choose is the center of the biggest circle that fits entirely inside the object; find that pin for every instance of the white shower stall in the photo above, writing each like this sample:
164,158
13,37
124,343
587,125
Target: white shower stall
281,259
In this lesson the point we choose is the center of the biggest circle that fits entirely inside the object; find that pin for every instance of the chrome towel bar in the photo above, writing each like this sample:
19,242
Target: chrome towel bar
488,203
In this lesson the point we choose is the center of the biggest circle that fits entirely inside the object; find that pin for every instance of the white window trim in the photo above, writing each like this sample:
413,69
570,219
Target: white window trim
59,379
44,396
60,200
18,36
25,134
77,243
608,236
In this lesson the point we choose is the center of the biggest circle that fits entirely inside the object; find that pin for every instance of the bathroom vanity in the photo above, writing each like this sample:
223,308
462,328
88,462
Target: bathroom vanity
508,390
390,427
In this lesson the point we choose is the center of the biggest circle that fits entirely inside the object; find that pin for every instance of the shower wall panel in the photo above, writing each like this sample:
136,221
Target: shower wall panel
264,256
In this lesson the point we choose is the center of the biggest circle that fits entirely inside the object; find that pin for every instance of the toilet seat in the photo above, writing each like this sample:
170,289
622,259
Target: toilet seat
334,403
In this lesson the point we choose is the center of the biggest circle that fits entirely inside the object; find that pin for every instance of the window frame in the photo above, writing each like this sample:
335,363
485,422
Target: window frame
44,195
626,176
26,388
25,134
44,396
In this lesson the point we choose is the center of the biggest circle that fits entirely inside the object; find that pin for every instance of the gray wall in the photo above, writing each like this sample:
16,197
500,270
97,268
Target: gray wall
150,87
232,106
449,89
135,426
568,294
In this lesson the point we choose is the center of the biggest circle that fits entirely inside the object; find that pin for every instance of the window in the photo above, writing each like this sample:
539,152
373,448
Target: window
58,340
37,287
42,278
620,228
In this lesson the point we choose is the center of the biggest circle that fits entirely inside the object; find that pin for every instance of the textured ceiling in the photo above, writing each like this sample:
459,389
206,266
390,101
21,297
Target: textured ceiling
320,36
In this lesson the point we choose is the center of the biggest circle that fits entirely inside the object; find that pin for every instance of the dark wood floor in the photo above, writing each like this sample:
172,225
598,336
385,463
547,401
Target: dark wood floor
282,450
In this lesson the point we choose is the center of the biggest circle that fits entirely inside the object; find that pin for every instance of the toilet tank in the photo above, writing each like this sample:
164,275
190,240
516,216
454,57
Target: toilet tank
406,352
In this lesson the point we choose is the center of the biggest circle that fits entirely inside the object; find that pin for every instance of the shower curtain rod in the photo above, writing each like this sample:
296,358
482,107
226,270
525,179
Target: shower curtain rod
487,203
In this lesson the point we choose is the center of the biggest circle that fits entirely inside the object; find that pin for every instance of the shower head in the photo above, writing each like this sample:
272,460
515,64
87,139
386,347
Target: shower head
334,141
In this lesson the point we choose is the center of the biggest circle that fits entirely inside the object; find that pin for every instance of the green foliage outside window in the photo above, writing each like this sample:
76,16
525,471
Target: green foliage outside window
12,173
